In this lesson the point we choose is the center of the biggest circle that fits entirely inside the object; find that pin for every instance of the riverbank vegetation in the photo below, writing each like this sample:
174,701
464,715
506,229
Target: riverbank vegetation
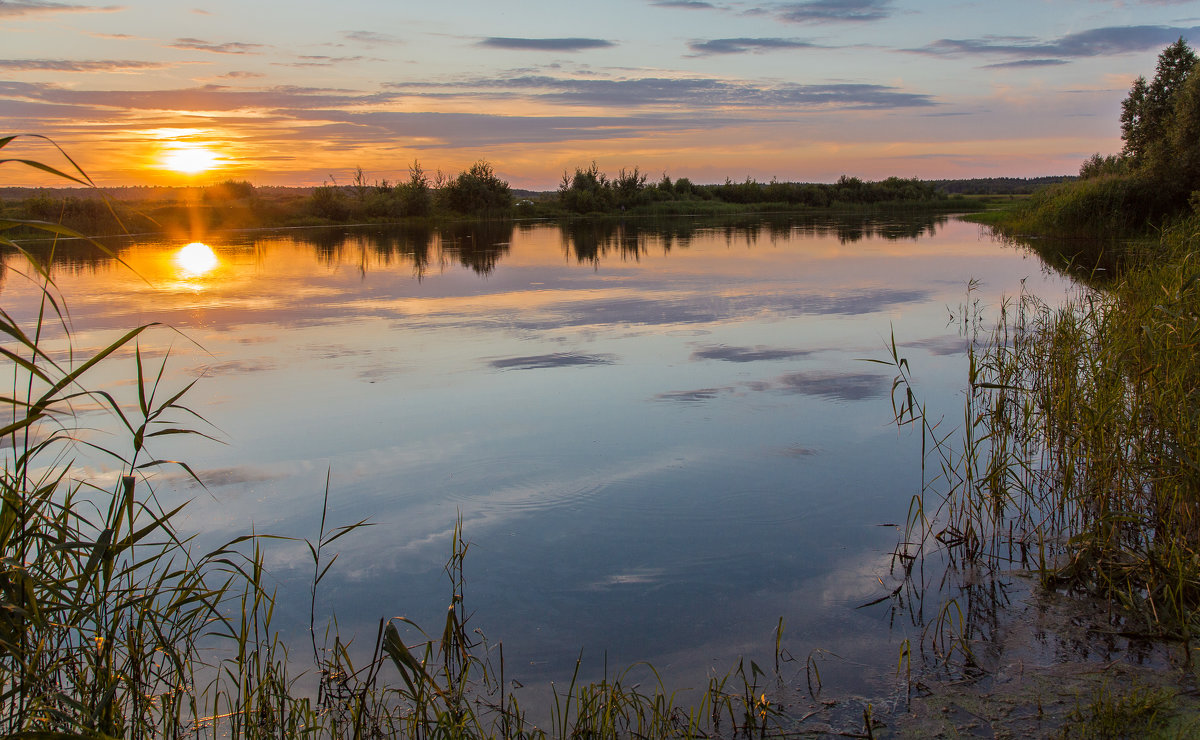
1153,180
1077,454
1077,457
477,193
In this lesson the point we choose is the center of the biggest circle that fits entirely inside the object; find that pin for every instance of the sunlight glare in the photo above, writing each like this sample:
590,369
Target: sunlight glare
196,259
190,159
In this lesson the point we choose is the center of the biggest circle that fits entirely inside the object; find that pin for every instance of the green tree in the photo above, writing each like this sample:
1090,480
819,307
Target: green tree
1183,134
328,202
1146,113
1098,165
629,187
477,190
416,196
586,191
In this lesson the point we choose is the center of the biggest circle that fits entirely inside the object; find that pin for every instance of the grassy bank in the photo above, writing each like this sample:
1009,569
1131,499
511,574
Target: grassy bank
1075,461
1151,184
1077,455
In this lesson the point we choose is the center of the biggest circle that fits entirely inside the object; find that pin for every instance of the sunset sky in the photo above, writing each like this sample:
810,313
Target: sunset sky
295,93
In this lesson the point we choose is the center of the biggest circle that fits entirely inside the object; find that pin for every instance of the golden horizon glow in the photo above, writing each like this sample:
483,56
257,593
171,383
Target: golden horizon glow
190,159
196,260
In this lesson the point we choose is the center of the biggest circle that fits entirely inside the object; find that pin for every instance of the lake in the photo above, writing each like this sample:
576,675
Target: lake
661,437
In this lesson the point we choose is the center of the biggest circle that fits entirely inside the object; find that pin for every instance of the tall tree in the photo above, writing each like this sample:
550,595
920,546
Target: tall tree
1146,113
1134,128
1183,135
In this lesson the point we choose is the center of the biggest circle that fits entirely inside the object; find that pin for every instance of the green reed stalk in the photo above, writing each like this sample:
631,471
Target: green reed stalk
1079,450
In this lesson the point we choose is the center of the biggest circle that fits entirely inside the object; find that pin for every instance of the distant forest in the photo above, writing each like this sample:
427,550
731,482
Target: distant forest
998,185
150,193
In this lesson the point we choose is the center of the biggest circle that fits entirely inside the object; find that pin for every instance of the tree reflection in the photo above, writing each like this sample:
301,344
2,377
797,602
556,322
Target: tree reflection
482,245
595,240
478,245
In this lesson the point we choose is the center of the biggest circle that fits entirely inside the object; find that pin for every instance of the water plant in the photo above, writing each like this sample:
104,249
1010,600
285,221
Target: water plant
1075,458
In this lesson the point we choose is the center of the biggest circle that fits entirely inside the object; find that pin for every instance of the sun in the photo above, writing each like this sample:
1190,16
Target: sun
190,159
196,259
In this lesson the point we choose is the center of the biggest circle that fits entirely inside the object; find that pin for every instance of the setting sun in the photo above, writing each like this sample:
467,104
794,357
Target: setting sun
190,159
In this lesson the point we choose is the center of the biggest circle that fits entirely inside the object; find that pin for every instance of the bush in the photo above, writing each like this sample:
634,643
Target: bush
1122,204
416,197
328,202
1096,166
477,190
229,190
587,191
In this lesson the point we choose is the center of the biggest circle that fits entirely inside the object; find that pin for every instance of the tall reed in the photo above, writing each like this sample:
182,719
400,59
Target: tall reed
1078,453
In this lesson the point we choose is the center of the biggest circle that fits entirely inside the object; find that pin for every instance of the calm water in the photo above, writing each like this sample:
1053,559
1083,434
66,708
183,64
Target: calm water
660,439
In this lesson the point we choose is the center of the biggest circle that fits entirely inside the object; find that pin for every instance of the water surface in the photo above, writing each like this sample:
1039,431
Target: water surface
661,438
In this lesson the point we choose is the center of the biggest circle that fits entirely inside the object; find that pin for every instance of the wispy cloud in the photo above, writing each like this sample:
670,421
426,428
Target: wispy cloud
202,98
564,44
229,47
336,117
233,367
73,65
694,396
828,385
320,60
835,11
943,345
1091,43
1027,63
684,4
746,45
371,37
13,8
839,386
694,93
477,129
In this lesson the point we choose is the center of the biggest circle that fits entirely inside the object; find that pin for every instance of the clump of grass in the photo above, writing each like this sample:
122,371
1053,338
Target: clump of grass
1112,714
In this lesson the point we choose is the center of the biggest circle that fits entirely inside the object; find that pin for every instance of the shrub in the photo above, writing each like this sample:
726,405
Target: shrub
416,197
477,190
328,202
586,191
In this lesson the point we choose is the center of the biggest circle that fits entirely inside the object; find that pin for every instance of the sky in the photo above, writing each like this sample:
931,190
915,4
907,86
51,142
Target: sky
289,92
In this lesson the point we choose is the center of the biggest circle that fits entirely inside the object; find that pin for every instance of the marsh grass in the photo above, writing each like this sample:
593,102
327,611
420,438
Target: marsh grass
1077,457
1113,713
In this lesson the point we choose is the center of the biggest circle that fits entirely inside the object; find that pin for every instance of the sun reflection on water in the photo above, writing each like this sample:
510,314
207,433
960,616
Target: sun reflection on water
195,260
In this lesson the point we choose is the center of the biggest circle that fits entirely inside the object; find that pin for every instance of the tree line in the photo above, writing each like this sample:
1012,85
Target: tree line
477,192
